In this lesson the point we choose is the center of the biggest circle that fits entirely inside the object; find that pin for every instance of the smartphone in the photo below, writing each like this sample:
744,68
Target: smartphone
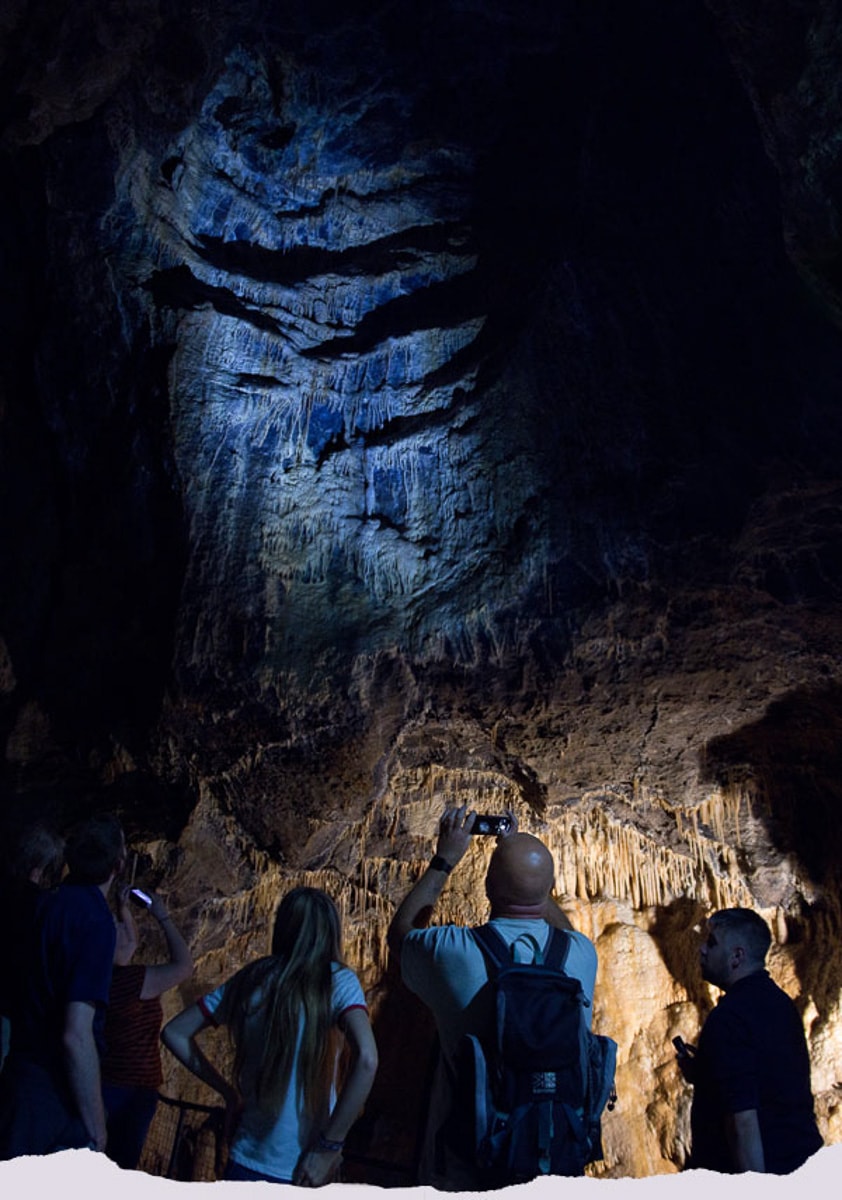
680,1045
139,897
488,824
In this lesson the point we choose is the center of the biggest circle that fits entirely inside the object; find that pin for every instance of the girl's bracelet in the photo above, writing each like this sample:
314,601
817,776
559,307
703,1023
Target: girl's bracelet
326,1144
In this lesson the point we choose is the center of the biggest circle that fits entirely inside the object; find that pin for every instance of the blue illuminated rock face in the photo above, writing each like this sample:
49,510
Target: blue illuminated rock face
415,360
414,401
319,270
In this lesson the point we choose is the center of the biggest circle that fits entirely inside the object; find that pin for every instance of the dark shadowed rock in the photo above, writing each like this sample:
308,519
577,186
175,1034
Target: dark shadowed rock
426,402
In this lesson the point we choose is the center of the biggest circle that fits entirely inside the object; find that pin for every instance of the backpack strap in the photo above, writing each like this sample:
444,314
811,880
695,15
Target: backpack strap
557,949
497,952
493,947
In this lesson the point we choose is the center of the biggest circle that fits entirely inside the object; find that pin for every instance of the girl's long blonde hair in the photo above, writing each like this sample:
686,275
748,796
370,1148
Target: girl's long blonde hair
294,980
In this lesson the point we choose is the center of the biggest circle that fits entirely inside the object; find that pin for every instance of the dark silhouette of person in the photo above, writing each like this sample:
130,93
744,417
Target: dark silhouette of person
752,1105
50,1091
35,863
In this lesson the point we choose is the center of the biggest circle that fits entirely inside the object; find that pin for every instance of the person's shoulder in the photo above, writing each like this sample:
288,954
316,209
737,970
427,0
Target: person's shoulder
441,936
751,990
736,1010
763,981
766,992
346,988
209,1001
436,943
77,897
732,1025
582,942
341,970
438,952
56,906
344,977
581,939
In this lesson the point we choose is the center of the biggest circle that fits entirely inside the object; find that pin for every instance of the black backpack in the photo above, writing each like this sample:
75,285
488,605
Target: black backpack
530,1102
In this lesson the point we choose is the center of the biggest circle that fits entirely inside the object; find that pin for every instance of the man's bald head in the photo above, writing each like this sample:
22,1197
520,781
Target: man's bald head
520,874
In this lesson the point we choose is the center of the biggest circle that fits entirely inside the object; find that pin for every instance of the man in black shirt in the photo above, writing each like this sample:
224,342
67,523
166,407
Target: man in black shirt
50,1093
34,865
752,1104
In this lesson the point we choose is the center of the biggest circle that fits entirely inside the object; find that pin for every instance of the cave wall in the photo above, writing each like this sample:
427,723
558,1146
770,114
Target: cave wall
438,402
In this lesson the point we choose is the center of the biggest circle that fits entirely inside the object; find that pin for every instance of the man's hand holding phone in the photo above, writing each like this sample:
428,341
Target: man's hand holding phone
686,1058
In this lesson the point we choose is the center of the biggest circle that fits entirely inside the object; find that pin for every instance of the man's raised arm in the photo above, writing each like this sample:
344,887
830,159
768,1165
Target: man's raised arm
453,840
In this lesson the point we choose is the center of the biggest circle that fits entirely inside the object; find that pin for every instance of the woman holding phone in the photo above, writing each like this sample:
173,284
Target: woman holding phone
131,1066
283,1013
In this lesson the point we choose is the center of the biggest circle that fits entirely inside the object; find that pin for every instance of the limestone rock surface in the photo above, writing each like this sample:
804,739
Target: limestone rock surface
415,404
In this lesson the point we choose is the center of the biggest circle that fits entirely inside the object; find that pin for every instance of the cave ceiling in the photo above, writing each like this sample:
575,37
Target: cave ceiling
403,401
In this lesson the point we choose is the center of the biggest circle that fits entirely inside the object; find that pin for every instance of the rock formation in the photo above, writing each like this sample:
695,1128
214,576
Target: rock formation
436,402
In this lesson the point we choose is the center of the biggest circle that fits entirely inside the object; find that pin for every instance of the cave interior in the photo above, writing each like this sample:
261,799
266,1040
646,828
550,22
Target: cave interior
418,404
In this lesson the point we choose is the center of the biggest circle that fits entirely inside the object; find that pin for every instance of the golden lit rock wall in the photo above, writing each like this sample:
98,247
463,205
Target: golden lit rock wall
640,898
363,448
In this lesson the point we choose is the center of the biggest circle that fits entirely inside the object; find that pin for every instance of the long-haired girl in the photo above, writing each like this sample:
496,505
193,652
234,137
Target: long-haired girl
282,1013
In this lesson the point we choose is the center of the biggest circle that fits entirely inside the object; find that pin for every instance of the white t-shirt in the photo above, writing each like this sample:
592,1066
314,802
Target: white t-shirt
273,1145
444,967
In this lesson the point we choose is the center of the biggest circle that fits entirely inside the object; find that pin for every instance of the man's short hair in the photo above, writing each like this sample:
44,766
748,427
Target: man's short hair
748,926
94,848
38,848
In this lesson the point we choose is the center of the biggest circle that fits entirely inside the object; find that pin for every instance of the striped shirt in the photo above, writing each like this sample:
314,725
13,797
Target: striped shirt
132,1032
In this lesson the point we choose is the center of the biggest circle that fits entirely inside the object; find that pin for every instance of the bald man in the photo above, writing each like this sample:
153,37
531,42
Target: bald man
444,966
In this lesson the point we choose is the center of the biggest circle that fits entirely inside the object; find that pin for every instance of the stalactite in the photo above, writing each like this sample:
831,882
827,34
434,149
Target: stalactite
620,861
721,812
612,876
780,927
598,856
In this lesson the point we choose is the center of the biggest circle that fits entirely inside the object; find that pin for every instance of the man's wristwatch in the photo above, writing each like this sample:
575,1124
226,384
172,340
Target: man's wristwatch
437,863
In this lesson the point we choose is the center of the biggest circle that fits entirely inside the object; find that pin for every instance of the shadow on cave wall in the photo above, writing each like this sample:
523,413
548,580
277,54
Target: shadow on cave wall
673,934
792,759
384,1146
